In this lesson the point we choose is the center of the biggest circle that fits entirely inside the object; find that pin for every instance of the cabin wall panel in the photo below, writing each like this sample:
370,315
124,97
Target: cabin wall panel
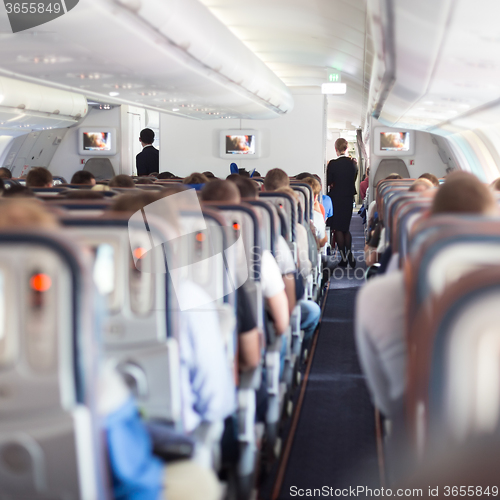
425,159
67,161
294,142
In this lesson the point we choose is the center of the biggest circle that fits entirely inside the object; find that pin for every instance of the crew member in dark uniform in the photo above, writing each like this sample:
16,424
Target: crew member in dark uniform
148,160
341,179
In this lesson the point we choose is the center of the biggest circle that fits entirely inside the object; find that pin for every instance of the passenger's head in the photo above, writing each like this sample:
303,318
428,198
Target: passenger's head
165,175
243,172
83,177
464,193
39,177
303,175
341,145
147,136
315,186
275,179
421,185
18,191
430,177
121,181
5,173
393,177
219,190
247,187
23,213
195,178
209,175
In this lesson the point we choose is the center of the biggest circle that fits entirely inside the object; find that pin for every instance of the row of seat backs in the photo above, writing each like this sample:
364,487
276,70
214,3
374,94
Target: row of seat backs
447,256
453,384
139,330
50,444
386,188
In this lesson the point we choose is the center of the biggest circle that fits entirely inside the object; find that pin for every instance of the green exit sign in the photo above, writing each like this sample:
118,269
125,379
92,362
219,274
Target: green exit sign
334,77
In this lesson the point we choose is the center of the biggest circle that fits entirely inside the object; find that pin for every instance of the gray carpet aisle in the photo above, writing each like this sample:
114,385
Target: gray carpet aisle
335,442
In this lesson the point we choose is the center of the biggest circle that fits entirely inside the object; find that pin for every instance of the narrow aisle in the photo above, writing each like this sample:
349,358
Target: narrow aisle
335,438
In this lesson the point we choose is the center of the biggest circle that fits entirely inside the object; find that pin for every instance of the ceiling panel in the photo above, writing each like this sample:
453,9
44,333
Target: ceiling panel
301,39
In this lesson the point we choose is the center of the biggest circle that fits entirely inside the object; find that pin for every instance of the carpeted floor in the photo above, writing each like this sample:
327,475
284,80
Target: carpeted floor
335,444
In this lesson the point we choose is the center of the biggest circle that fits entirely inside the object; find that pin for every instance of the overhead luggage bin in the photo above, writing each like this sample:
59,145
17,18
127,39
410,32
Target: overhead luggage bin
173,51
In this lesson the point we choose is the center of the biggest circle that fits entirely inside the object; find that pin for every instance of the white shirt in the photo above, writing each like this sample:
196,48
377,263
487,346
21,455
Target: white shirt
271,280
284,256
319,224
380,340
207,385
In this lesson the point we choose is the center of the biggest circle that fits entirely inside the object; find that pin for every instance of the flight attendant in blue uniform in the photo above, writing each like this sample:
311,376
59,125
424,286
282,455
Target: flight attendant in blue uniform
341,178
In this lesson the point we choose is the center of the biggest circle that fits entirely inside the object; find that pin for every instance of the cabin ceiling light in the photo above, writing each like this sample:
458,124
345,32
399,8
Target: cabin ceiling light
114,94
333,88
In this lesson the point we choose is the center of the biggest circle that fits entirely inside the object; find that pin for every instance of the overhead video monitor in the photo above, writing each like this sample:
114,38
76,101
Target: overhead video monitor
392,142
97,141
239,144
395,141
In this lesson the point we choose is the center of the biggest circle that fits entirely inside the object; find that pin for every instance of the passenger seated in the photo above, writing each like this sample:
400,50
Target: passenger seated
430,177
195,178
318,216
364,184
248,189
420,185
207,387
275,179
380,304
166,176
39,177
136,473
273,287
83,178
5,173
304,262
121,181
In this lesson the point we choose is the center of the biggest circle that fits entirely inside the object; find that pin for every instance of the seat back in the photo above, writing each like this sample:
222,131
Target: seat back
270,223
101,168
49,433
80,207
390,166
287,203
205,253
453,383
139,329
385,186
307,193
44,192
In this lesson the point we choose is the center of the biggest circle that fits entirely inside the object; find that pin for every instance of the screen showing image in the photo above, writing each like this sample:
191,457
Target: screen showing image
240,144
395,141
97,141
